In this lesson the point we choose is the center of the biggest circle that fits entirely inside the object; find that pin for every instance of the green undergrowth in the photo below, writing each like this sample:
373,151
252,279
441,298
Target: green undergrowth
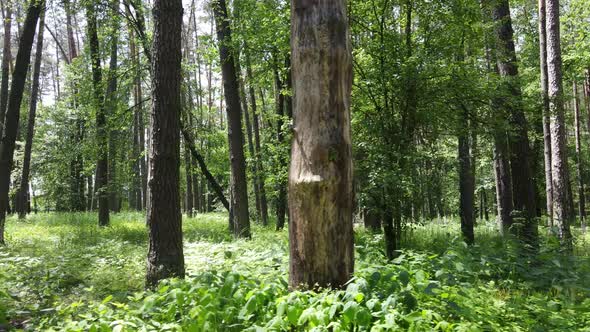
60,272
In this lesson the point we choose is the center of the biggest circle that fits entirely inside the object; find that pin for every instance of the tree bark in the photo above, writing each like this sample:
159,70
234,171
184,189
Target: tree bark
239,186
546,120
6,58
102,184
579,165
22,202
320,178
503,181
12,117
510,101
559,167
165,253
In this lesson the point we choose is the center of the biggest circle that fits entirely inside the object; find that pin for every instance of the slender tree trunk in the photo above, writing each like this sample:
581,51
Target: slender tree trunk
102,185
559,167
6,58
320,177
22,202
189,182
466,200
165,254
281,200
257,157
579,166
546,120
112,102
239,187
503,182
12,117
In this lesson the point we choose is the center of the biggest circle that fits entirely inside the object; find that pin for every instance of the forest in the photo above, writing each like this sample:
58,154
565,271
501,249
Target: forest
302,165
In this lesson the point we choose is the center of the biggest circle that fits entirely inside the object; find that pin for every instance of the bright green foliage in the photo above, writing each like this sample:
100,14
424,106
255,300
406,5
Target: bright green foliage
62,272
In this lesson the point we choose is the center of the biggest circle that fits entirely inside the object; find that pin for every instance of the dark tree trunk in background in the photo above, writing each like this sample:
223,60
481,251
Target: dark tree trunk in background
189,181
579,166
102,185
466,199
12,117
546,120
165,254
22,200
559,167
503,181
320,177
510,103
6,58
281,200
239,186
257,157
372,220
112,103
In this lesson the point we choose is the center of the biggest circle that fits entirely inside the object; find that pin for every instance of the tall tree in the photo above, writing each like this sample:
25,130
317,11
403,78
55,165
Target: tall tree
5,63
239,187
466,200
320,180
579,166
102,184
22,205
559,167
165,255
112,104
12,117
546,119
510,103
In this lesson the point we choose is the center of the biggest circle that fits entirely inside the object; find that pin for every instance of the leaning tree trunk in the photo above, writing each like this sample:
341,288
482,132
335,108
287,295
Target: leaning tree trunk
101,120
12,117
239,186
559,167
22,206
320,176
546,120
165,254
579,166
5,66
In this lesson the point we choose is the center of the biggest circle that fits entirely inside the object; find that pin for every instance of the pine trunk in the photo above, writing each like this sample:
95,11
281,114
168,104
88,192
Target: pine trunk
559,167
6,58
579,165
165,253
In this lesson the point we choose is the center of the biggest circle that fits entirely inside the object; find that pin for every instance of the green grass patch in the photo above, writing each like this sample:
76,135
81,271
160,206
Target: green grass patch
61,272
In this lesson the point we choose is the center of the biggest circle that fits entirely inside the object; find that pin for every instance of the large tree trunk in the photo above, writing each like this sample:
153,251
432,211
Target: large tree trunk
510,103
503,181
579,166
546,121
559,166
101,121
320,176
12,117
239,186
165,254
466,185
22,202
6,58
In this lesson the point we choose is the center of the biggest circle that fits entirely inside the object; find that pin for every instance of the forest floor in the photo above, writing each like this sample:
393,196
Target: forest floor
61,272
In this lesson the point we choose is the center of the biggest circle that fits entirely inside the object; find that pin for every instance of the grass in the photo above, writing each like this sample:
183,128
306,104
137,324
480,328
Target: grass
62,272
